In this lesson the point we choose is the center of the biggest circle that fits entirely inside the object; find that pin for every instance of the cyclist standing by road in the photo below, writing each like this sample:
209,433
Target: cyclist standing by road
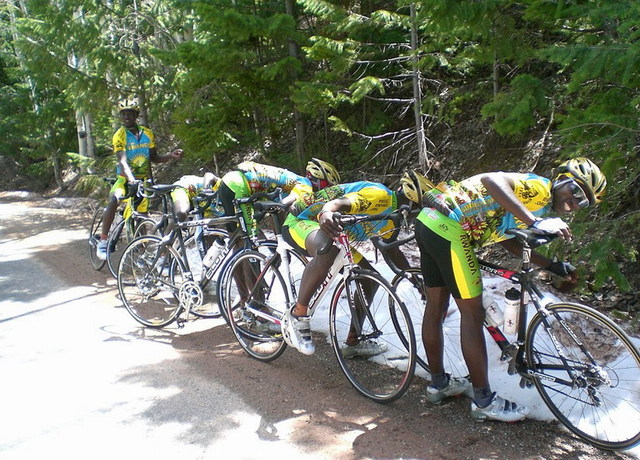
463,216
311,228
135,147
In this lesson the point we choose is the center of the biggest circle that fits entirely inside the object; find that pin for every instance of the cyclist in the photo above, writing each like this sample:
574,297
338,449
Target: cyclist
190,186
462,216
251,177
311,228
135,147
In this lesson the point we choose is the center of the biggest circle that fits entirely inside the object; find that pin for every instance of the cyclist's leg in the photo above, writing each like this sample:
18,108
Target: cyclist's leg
439,253
306,236
118,190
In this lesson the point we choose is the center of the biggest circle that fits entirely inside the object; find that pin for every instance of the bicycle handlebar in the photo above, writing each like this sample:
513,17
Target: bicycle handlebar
384,246
203,200
532,237
271,196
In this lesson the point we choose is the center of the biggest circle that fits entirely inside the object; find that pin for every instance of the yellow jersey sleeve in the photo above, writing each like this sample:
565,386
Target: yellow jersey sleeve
120,140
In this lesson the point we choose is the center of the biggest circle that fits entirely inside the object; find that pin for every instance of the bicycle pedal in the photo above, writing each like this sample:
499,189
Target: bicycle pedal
180,323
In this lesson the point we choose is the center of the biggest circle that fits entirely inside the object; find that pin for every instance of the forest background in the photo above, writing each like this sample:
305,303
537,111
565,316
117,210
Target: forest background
450,88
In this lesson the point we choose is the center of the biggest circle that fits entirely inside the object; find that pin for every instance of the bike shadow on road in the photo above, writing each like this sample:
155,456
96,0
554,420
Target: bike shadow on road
308,402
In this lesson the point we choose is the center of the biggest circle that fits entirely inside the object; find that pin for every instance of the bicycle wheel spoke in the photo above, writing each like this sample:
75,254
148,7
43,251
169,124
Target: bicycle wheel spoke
382,362
591,383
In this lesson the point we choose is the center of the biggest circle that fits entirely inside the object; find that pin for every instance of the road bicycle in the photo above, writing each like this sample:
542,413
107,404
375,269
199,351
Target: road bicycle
363,303
585,367
127,224
159,278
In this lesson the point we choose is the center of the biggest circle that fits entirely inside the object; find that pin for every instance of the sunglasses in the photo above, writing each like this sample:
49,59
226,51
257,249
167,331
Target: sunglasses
578,194
318,184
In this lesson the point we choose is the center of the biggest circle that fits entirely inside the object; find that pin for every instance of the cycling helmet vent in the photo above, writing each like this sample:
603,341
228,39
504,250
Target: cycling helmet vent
129,104
415,185
322,170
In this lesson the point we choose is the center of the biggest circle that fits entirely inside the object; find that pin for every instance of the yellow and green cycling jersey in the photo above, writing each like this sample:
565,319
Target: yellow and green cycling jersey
365,198
137,148
264,178
483,219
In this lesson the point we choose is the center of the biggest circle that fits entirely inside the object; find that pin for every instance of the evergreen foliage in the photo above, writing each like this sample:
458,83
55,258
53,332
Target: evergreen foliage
227,79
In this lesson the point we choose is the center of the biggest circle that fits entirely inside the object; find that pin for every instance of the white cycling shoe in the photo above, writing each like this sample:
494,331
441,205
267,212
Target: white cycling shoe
501,410
297,333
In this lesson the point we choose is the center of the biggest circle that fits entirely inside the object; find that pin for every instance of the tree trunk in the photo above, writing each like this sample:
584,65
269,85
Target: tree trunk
417,94
297,116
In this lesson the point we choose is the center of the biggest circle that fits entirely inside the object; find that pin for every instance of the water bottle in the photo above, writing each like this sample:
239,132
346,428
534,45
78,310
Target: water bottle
511,311
212,253
493,314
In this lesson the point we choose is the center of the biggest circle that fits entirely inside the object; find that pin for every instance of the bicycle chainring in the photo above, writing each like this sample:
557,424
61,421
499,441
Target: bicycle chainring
190,295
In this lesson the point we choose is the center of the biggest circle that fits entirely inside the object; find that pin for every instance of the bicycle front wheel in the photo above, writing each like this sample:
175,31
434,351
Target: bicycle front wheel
587,372
94,236
366,311
149,279
256,298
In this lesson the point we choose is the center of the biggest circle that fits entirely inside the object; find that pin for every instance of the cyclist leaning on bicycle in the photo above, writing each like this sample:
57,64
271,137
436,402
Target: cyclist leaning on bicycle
311,228
190,187
250,177
135,148
462,216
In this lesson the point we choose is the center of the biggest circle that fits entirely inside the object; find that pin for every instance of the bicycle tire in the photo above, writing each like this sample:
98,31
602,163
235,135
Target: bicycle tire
297,262
411,291
116,245
601,404
147,226
386,376
148,290
261,339
94,236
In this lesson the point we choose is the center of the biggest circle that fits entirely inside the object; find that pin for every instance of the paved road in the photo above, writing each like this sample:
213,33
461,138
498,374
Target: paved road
79,378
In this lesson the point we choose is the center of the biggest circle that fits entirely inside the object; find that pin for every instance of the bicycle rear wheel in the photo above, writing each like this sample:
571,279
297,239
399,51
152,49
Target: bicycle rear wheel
587,372
297,262
147,226
94,236
386,376
257,297
150,276
411,290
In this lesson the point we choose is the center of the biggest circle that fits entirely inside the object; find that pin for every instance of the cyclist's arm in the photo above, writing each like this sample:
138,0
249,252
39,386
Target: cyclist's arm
500,186
155,157
125,169
325,217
